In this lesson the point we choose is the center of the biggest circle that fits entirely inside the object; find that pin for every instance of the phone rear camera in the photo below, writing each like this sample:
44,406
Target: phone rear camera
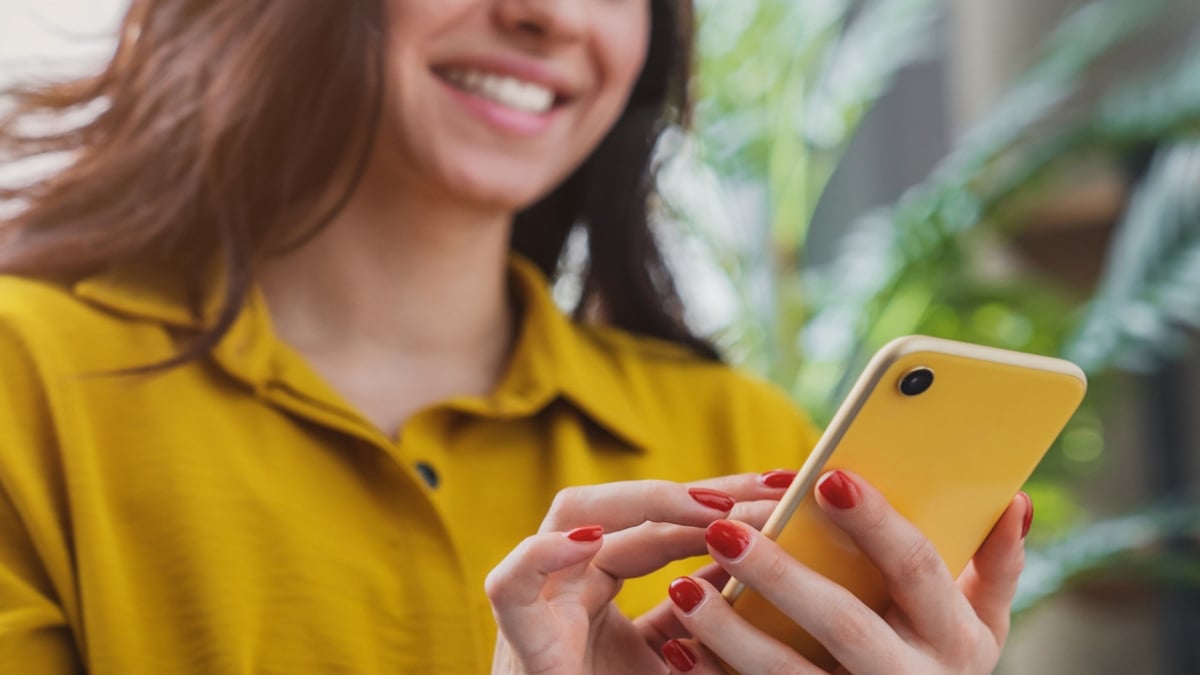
916,382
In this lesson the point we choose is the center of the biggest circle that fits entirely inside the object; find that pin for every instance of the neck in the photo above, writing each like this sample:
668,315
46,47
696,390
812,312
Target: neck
398,274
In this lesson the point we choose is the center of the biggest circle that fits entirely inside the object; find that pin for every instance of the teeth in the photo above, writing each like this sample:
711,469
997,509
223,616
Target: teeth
509,91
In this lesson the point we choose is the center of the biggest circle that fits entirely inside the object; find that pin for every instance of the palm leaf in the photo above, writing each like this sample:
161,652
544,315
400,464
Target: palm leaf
1142,546
1024,140
785,83
1151,290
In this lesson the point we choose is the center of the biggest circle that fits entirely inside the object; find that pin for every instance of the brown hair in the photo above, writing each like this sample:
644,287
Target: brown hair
219,128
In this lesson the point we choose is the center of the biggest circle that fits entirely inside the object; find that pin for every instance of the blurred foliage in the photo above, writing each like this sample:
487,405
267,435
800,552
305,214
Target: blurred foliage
1150,294
785,83
1157,546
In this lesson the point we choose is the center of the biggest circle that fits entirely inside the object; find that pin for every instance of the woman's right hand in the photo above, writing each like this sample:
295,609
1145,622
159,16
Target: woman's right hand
553,595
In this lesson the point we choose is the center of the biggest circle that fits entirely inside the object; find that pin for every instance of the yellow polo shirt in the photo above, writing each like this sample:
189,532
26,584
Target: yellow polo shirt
236,515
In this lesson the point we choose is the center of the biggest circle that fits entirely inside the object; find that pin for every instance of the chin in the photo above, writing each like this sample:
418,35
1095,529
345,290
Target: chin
510,189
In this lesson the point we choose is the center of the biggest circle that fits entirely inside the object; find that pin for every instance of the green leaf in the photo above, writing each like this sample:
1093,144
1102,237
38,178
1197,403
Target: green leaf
1139,543
1151,289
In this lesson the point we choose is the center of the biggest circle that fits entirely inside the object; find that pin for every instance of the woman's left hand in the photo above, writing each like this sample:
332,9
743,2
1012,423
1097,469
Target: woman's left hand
936,626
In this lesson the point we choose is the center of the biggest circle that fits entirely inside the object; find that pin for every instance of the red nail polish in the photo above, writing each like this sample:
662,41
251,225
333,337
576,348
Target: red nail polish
1027,521
686,593
779,478
679,656
586,534
713,499
839,491
728,539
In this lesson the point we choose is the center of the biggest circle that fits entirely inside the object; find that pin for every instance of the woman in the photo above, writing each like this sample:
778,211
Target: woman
284,381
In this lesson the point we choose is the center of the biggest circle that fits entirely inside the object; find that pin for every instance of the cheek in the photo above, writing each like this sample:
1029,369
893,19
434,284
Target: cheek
627,57
620,54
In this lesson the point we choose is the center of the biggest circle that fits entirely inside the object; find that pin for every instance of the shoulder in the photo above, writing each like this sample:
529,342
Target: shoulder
670,365
46,323
32,312
28,303
678,390
23,296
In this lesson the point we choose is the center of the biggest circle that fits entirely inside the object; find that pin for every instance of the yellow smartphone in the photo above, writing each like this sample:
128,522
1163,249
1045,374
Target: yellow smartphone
948,432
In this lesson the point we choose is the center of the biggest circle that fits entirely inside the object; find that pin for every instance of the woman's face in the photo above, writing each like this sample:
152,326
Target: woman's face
494,102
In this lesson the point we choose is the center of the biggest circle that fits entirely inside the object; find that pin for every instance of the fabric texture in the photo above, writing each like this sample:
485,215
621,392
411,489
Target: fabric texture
236,515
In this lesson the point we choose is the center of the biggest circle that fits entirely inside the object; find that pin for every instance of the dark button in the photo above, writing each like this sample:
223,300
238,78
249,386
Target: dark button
428,474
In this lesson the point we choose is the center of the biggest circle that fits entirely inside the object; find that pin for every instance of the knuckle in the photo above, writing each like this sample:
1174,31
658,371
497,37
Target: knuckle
777,571
657,487
569,507
921,561
849,629
494,586
650,494
566,498
962,644
783,665
499,580
872,520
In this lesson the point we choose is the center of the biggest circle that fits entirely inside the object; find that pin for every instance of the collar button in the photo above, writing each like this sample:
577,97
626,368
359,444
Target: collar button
428,474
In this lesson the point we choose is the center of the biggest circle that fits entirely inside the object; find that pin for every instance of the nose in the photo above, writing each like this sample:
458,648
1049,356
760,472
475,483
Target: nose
544,20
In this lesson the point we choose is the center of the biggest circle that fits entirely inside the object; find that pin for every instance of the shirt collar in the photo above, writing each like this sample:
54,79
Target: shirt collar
557,356
554,357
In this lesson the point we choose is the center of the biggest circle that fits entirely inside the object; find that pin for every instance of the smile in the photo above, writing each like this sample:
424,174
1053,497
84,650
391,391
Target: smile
507,91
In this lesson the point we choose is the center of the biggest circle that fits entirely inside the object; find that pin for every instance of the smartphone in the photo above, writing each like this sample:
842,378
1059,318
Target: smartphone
948,432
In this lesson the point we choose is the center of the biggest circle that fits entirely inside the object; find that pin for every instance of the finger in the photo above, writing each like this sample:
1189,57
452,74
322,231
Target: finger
640,550
753,513
751,486
627,504
660,625
917,579
990,580
617,506
689,656
857,636
516,586
705,614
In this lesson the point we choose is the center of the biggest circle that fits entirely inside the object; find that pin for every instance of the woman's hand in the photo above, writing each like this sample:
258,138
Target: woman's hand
552,596
936,626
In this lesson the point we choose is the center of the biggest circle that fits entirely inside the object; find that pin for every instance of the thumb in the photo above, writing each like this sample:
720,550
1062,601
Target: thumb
518,586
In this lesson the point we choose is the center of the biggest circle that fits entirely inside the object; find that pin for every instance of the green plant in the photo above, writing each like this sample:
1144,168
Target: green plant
1150,293
1146,304
1134,547
786,84
915,267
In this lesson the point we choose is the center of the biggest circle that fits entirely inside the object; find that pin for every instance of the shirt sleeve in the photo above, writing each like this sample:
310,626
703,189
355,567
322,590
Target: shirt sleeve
35,634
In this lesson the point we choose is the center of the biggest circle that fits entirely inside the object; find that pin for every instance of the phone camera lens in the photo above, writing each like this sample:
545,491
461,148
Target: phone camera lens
916,382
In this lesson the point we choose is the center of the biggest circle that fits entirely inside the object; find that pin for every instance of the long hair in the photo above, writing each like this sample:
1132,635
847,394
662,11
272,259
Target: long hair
219,128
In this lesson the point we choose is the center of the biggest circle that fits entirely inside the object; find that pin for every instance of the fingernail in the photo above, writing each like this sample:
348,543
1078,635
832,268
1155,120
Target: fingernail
686,594
728,539
678,655
779,478
839,490
713,499
586,534
1027,521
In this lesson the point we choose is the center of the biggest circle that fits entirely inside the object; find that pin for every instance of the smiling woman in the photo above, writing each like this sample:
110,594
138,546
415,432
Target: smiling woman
285,389
280,105
519,148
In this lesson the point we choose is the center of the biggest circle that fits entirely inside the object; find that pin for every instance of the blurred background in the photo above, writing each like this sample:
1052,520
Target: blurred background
1024,174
